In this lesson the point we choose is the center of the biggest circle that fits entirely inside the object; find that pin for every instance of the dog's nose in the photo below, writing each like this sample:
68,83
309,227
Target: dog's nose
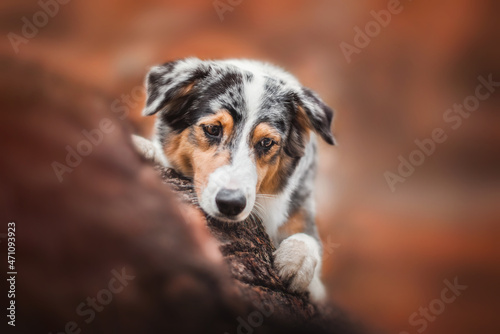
230,202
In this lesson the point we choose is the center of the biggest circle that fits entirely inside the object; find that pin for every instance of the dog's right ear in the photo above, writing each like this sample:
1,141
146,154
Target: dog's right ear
170,81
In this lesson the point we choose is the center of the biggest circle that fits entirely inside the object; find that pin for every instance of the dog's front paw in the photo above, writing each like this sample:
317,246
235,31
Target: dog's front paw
296,261
148,150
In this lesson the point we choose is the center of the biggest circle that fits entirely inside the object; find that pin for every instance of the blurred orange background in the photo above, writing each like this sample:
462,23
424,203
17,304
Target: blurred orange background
386,253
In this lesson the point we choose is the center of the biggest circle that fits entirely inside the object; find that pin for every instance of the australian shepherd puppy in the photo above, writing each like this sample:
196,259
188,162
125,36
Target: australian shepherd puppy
245,133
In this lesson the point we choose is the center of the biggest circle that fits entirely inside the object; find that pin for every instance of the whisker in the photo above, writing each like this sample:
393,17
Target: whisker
252,219
258,212
267,196
259,206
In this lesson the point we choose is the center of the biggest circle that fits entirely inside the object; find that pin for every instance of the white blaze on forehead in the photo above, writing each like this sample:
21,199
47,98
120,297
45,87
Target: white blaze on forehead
259,68
253,91
244,171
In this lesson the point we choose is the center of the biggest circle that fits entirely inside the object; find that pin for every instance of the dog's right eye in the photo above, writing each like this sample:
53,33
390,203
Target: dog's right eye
212,130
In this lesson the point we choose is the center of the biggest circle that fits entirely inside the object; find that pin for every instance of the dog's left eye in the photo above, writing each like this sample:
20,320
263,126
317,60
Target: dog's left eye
213,130
267,143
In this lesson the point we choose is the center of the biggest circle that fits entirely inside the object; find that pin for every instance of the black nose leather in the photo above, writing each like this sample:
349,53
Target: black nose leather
230,202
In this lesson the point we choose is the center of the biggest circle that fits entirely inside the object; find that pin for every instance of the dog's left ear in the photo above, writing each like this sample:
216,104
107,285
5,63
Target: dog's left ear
317,113
165,83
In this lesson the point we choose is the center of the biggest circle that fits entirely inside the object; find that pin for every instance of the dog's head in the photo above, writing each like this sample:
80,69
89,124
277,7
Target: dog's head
237,128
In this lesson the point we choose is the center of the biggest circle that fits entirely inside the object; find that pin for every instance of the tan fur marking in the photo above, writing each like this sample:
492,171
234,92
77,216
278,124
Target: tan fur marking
303,119
191,153
268,180
304,122
267,171
187,89
270,171
205,163
178,150
295,224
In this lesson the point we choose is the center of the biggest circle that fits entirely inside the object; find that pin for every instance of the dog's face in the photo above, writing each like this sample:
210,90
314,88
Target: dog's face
237,128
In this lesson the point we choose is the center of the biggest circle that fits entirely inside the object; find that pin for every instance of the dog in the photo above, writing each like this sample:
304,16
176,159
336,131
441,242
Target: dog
245,132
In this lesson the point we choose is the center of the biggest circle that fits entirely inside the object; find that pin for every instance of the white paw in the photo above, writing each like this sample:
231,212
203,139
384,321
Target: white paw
149,150
297,260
